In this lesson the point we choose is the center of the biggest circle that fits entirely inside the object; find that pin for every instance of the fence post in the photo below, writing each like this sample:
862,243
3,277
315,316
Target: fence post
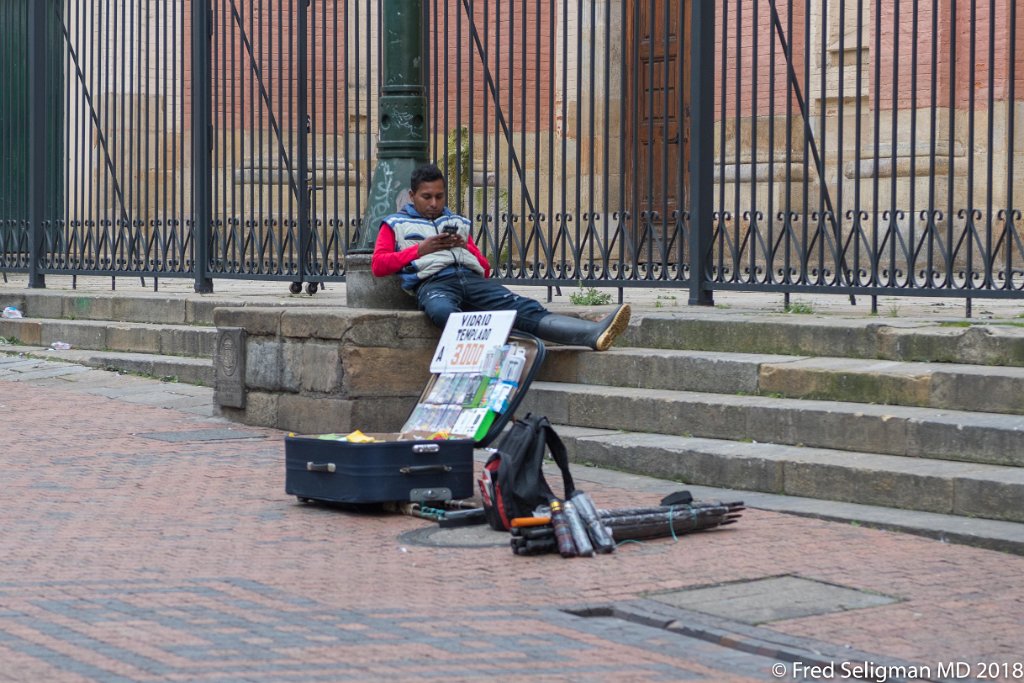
302,182
202,141
702,151
37,130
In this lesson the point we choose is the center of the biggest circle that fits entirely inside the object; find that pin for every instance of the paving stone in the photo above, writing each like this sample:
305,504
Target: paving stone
127,558
772,599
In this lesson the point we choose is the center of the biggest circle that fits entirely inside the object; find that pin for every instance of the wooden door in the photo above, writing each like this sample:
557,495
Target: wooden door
659,78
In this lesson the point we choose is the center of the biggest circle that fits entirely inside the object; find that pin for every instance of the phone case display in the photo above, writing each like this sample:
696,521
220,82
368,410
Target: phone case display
465,405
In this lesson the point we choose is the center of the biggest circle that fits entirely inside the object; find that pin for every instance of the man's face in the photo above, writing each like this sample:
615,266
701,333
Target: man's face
429,198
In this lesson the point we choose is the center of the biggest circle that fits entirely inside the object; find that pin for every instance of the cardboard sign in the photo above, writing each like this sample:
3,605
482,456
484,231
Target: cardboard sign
467,338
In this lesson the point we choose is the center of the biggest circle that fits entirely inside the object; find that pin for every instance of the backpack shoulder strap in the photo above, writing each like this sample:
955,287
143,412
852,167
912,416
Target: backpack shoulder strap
558,454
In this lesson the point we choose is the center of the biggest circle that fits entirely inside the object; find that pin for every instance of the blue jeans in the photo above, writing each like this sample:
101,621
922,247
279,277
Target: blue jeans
465,290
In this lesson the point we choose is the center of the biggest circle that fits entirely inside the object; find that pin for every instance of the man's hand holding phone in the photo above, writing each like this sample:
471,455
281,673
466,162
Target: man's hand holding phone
447,238
451,232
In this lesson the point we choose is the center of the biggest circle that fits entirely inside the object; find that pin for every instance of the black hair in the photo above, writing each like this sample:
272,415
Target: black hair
426,173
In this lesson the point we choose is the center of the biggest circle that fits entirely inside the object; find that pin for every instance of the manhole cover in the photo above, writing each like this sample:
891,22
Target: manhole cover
477,536
202,435
772,599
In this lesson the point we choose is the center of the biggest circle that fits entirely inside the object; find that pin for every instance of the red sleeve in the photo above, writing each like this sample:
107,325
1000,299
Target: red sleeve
475,251
387,261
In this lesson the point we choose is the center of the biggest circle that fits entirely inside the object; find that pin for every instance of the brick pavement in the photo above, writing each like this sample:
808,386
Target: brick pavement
144,543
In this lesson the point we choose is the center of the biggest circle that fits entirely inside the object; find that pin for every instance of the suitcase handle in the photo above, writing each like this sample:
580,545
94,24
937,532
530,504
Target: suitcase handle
425,469
320,467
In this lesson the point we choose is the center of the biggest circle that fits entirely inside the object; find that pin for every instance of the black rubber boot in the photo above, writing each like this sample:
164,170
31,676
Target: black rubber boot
564,329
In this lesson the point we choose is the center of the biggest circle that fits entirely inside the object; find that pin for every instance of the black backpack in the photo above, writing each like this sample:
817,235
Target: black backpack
513,484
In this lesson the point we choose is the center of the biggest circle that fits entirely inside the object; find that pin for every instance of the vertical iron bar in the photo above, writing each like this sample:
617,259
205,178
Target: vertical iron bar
911,213
83,202
720,224
145,219
175,100
491,240
877,152
932,228
432,78
219,104
666,109
592,58
805,185
738,86
969,227
633,226
38,164
350,167
838,220
513,218
855,233
1009,226
606,141
305,234
501,221
820,230
790,85
951,142
652,15
753,224
289,123
233,119
358,136
702,88
770,242
159,192
471,128
563,207
201,143
447,125
578,218
894,226
622,224
540,240
989,146
459,170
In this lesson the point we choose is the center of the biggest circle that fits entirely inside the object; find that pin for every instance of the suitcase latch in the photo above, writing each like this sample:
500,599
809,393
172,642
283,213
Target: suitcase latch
320,466
425,469
429,495
426,448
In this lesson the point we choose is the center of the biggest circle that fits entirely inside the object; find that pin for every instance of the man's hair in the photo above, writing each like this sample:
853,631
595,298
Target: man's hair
427,173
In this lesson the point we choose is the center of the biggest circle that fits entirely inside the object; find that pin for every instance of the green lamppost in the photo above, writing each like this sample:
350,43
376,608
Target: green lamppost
401,146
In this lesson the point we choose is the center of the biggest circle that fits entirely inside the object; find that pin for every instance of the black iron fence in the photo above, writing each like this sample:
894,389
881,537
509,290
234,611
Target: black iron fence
845,146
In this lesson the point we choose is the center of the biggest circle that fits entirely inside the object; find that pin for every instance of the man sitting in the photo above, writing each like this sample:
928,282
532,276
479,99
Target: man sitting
431,250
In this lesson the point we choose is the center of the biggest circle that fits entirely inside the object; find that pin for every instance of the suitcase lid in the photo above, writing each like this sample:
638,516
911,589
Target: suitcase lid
534,353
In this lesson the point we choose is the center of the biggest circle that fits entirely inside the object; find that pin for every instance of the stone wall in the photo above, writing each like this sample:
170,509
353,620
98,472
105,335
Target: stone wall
319,370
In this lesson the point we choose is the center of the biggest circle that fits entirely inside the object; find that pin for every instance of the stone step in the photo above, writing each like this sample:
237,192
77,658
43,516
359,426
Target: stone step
105,335
145,307
976,343
199,371
950,488
974,531
955,386
891,430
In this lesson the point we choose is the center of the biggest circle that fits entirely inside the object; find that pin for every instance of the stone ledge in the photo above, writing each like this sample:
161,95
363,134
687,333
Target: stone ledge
330,369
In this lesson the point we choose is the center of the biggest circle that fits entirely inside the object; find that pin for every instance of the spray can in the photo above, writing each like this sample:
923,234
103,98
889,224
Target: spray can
599,533
579,532
563,534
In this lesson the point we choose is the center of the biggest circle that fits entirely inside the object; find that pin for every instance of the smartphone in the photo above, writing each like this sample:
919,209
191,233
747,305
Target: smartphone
450,230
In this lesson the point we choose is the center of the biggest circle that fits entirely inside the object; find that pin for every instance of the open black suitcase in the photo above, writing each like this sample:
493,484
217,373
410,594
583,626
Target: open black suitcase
406,467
